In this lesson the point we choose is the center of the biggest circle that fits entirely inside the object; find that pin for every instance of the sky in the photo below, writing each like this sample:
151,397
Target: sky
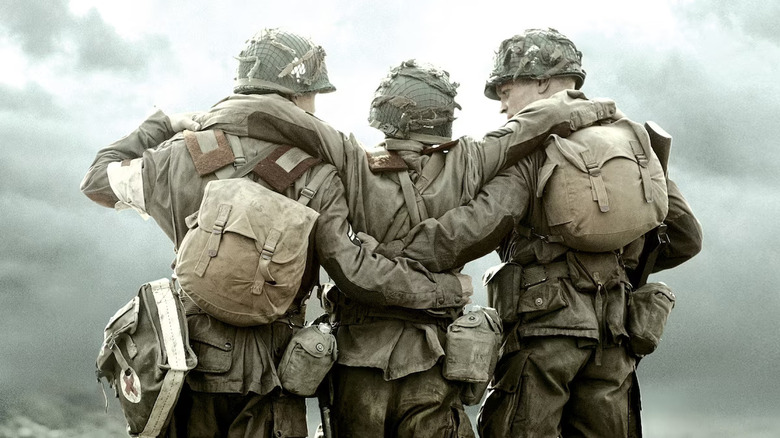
77,75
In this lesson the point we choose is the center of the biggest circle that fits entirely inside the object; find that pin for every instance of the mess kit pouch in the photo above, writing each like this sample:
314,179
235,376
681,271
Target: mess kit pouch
145,356
648,309
309,356
471,352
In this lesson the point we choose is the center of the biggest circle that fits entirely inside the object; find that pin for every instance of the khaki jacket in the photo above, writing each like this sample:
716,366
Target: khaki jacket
152,171
386,201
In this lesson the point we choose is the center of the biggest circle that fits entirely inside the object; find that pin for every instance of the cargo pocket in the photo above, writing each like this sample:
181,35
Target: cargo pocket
541,299
289,414
212,342
503,405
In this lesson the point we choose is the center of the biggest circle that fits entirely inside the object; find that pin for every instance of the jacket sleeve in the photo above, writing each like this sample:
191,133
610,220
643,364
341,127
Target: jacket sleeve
370,278
471,231
153,131
683,229
526,131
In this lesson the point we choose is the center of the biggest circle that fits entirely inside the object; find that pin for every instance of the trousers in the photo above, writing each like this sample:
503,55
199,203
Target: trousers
560,386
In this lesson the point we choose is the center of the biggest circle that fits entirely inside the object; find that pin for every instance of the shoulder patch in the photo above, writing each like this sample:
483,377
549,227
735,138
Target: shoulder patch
210,150
284,166
381,160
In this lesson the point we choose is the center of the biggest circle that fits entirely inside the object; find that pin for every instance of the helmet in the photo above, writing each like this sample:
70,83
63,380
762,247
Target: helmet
536,54
415,101
278,61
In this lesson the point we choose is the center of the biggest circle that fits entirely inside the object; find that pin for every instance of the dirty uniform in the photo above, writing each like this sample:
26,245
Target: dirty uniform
388,376
235,390
565,368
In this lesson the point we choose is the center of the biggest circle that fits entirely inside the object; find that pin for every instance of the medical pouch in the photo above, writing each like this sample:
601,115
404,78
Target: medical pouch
307,360
648,310
503,283
471,352
145,356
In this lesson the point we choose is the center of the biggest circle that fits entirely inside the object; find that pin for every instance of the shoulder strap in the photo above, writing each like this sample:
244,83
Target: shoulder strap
310,191
431,170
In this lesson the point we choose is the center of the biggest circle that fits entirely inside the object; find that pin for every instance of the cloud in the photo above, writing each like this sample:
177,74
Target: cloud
755,18
48,29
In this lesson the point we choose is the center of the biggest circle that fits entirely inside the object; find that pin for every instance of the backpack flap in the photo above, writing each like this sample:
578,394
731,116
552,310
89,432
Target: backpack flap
602,187
244,260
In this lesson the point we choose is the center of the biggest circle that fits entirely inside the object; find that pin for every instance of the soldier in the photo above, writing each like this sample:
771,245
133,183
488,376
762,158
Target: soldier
566,367
235,390
389,375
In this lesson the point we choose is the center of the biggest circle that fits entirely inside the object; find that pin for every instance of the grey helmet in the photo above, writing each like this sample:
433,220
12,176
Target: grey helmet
277,61
535,54
415,101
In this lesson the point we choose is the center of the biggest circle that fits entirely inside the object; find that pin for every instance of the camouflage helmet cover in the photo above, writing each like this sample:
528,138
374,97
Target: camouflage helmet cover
535,54
278,61
415,101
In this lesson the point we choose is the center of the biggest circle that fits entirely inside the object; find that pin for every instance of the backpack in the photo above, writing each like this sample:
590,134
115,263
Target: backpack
244,256
145,356
602,187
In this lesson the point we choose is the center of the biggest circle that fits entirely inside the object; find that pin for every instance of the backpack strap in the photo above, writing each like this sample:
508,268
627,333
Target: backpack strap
598,189
644,171
310,191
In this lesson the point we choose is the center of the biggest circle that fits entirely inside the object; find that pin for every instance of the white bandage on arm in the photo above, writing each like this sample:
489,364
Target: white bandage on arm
127,183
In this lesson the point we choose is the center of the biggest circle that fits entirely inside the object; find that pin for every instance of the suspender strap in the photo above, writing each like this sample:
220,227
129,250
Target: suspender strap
431,170
238,153
410,197
310,191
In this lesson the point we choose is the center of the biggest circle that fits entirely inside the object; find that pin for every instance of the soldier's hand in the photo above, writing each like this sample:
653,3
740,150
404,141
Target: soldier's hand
585,112
389,250
182,121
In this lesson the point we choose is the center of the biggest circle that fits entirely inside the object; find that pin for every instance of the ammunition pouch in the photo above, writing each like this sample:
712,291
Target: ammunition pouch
307,360
648,309
471,352
588,271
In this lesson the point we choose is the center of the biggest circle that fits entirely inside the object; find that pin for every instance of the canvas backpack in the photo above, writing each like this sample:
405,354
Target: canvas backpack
243,258
602,187
145,356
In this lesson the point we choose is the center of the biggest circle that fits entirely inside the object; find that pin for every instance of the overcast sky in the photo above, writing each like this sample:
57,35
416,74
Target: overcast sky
76,75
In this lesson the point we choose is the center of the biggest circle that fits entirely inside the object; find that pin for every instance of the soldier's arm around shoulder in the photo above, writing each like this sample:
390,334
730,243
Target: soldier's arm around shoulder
370,278
683,229
123,156
526,131
471,231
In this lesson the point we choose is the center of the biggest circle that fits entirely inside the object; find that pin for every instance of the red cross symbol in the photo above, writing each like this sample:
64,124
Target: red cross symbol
129,381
